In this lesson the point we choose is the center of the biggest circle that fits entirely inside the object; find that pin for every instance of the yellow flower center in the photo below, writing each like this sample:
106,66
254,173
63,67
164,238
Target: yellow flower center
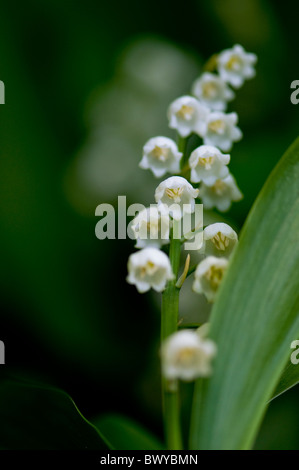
149,268
209,90
219,187
217,126
206,162
220,241
214,275
234,63
174,193
185,356
186,112
160,153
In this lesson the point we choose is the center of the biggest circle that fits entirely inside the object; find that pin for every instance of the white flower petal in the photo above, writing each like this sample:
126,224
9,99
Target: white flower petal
187,355
208,276
219,240
186,114
221,194
221,130
235,65
161,155
151,228
212,91
177,195
148,268
208,164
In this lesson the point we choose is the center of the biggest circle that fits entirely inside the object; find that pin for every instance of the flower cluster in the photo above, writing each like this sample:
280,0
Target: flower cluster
202,173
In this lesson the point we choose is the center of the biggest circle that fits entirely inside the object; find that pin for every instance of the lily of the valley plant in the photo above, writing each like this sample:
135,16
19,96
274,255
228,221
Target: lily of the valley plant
200,176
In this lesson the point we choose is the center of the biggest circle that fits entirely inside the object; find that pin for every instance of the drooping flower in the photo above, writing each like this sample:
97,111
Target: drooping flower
186,355
221,194
208,164
221,130
186,114
148,268
151,228
212,91
236,65
208,276
176,196
219,240
161,155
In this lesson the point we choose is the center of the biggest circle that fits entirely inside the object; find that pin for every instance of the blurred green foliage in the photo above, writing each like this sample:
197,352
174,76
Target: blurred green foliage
67,313
40,418
125,434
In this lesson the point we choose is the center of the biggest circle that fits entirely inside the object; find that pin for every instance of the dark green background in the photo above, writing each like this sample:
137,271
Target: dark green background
67,315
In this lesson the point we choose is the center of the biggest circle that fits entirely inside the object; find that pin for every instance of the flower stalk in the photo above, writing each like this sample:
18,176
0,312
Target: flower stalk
202,172
169,325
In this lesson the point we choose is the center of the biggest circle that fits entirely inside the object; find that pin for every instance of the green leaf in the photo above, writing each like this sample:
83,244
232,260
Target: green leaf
40,418
255,317
289,379
125,434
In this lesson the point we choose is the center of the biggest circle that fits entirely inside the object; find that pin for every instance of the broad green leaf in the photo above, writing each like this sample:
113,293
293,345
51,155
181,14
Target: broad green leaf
40,418
125,434
255,317
289,379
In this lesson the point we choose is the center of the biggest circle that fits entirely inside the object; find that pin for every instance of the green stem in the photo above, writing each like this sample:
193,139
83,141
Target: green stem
211,64
169,325
196,413
182,144
185,172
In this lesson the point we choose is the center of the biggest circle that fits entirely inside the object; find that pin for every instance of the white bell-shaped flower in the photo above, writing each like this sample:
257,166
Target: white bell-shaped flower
176,196
219,240
212,91
186,114
208,276
221,194
151,228
186,356
236,65
208,164
221,130
148,268
161,155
